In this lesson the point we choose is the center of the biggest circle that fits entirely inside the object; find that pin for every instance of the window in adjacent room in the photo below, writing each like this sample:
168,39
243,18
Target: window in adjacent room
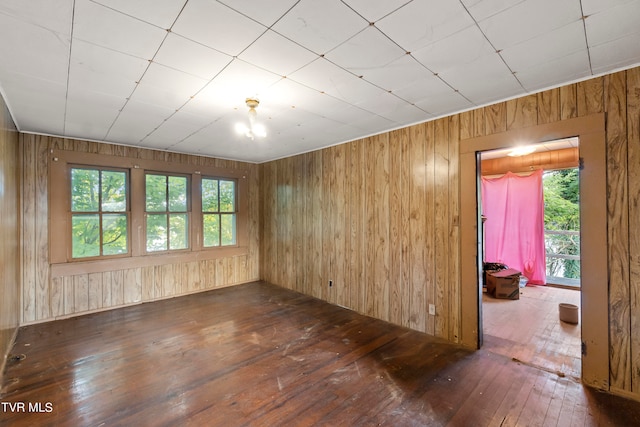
166,212
99,212
218,212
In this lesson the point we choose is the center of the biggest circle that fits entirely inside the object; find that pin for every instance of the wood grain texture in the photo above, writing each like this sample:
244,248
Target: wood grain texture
522,112
495,117
548,106
633,175
557,159
453,313
366,187
419,236
618,232
568,102
45,297
29,231
10,259
415,253
441,237
357,226
396,215
590,97
262,355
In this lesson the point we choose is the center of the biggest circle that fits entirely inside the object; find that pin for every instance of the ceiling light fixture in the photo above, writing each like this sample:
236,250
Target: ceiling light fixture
254,129
522,151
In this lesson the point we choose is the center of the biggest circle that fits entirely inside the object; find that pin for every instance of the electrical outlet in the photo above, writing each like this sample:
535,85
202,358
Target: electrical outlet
330,283
432,309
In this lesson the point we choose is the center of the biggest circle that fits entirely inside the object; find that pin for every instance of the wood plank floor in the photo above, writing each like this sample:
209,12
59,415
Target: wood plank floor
260,355
529,329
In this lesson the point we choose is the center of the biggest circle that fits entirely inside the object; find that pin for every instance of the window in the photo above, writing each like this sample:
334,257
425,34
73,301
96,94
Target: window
99,212
115,212
218,212
167,212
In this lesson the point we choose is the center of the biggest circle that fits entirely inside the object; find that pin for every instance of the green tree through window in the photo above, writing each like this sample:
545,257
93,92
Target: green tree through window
218,212
167,212
562,221
99,212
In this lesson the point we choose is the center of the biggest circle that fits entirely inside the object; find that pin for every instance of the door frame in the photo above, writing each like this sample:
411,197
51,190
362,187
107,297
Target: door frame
593,225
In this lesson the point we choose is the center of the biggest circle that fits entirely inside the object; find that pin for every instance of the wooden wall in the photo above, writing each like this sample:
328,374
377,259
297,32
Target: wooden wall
380,216
9,249
47,297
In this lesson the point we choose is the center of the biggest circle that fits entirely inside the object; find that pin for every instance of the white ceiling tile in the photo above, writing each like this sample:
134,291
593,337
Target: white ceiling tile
458,50
204,107
217,26
546,47
191,57
219,139
483,9
324,76
37,105
288,94
105,27
484,80
347,114
620,53
49,61
383,104
570,67
400,111
167,87
373,124
175,129
220,52
232,86
136,121
98,69
89,114
529,19
367,51
161,13
277,54
320,26
399,73
54,16
255,9
430,89
374,10
609,25
423,22
442,103
589,7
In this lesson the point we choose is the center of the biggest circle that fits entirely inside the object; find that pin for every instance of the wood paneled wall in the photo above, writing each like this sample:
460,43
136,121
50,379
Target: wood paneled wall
45,297
379,217
9,226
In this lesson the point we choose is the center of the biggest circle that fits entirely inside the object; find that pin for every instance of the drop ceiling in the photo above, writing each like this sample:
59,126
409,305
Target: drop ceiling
174,74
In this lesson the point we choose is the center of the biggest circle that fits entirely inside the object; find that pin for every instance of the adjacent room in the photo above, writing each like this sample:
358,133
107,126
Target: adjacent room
221,212
530,210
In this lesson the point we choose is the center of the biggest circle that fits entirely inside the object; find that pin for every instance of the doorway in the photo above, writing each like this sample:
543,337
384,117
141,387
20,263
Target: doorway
529,329
594,300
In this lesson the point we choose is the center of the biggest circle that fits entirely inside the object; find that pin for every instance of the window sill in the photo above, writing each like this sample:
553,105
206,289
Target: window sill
113,264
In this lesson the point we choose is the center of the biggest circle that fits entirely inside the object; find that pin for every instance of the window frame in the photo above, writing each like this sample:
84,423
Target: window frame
220,213
168,212
100,212
59,189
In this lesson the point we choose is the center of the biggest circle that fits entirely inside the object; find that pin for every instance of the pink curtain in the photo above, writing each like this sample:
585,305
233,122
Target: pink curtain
514,228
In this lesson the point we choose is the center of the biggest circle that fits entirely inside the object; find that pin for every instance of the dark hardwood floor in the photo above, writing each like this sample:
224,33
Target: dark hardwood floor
260,355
